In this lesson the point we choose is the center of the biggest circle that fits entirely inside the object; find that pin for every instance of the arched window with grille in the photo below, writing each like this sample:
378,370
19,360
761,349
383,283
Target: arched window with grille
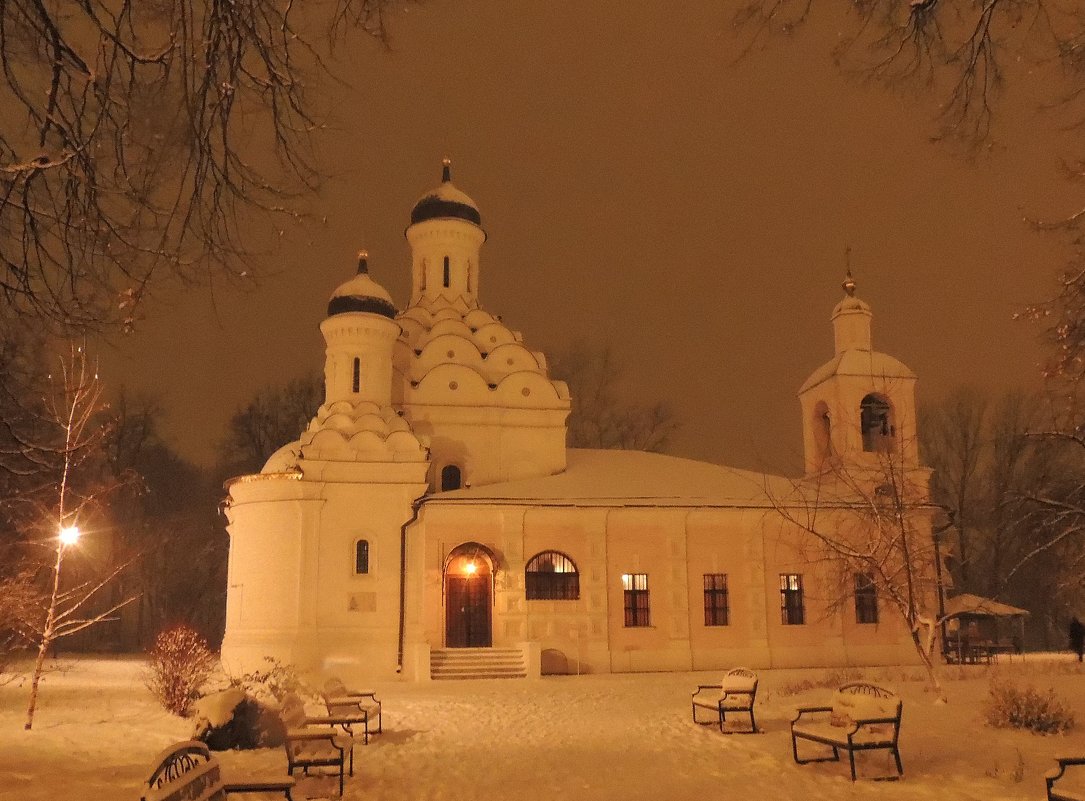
551,576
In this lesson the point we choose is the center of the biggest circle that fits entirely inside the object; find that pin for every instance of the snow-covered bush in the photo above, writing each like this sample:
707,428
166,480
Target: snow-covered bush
178,664
233,720
272,684
1010,706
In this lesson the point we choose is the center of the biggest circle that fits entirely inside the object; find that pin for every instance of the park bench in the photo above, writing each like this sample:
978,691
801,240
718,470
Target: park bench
736,693
355,706
1064,794
314,747
188,772
862,717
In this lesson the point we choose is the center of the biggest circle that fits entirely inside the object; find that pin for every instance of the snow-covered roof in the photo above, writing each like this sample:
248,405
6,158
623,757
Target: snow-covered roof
851,304
862,363
633,478
968,604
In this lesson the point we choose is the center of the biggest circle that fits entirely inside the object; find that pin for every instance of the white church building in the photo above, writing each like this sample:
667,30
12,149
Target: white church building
432,508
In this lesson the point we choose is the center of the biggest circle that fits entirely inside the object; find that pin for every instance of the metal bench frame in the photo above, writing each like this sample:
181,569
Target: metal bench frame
846,738
188,768
729,701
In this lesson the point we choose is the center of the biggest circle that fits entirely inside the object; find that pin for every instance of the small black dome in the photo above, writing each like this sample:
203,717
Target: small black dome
446,201
433,207
362,294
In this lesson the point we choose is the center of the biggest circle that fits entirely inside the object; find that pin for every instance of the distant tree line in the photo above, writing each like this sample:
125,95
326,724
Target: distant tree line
1013,483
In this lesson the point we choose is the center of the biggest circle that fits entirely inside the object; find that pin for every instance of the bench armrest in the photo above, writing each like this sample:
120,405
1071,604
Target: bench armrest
351,697
343,720
284,786
1064,762
311,734
802,710
862,722
702,687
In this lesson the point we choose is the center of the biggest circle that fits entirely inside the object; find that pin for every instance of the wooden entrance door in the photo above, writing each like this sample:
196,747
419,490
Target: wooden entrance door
467,612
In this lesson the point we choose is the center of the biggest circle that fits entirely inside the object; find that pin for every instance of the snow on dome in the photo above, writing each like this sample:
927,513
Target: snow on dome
851,304
284,459
361,294
446,200
359,432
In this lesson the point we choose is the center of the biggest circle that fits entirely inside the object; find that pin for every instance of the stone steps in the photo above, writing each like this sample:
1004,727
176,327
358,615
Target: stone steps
477,663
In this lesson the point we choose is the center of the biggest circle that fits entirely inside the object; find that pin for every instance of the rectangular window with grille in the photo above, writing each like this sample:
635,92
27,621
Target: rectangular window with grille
866,599
792,612
635,586
715,599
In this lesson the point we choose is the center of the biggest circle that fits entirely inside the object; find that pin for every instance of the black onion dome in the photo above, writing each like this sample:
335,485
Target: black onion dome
361,294
446,201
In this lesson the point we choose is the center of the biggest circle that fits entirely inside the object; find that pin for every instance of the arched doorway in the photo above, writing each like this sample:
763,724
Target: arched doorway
469,572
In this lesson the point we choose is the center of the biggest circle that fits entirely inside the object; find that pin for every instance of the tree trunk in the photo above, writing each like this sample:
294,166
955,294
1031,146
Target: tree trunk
46,641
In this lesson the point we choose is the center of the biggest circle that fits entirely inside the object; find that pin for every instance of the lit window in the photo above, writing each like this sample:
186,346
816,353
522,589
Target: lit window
866,599
361,557
791,604
635,586
715,599
551,576
357,382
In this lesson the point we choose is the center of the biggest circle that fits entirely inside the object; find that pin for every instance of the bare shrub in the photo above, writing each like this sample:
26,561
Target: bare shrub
830,679
180,662
1010,706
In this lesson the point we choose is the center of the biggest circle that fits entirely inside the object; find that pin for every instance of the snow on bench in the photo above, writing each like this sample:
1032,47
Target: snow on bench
357,706
188,772
308,747
862,717
1064,794
736,693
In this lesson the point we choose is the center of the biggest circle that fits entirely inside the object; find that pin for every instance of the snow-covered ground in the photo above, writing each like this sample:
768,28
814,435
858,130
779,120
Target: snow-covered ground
624,737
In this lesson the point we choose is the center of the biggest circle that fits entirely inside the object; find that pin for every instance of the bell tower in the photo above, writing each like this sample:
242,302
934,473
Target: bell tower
859,406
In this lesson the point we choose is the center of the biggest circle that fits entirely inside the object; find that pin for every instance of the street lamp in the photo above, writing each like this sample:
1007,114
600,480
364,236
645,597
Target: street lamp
68,535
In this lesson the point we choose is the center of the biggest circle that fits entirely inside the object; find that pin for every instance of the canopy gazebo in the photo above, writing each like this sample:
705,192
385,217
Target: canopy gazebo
978,628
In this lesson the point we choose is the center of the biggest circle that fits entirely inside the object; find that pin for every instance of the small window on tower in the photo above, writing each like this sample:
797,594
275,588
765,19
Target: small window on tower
361,557
823,427
450,478
357,381
447,273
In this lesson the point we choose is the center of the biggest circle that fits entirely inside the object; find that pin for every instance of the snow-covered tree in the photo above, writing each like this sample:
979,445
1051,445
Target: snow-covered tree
62,498
871,524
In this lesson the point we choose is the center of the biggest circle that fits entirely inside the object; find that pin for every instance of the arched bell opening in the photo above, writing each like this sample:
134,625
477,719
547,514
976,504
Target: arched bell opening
468,595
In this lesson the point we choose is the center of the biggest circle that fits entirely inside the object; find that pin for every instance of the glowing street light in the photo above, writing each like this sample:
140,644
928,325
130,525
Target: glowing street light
69,535
470,568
